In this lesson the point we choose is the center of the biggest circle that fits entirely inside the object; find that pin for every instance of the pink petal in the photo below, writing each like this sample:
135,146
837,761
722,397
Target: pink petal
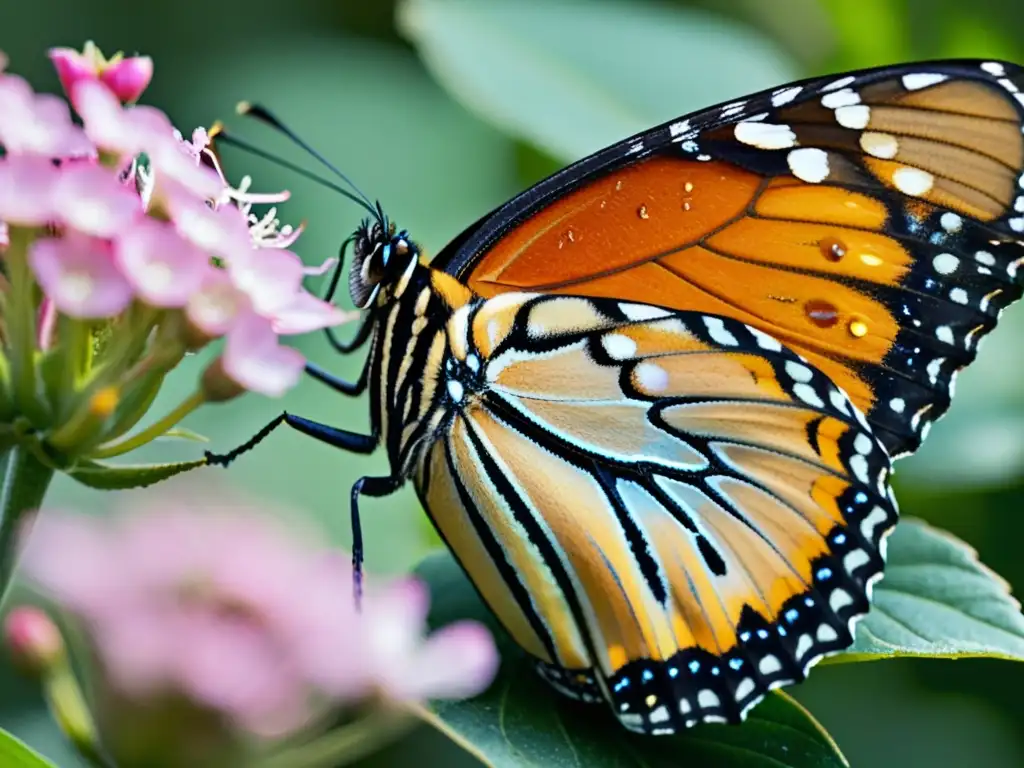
129,77
26,190
139,649
91,199
37,124
220,231
270,278
115,129
253,359
81,276
215,306
176,170
163,268
456,662
307,313
72,67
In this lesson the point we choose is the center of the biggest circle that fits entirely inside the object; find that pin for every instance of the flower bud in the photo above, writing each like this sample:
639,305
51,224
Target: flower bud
33,640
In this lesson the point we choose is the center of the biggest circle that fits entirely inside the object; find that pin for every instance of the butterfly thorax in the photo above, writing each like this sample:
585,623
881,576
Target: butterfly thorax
416,381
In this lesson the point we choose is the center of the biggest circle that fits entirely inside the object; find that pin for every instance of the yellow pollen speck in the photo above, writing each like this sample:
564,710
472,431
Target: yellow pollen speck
104,402
651,700
688,186
858,329
870,259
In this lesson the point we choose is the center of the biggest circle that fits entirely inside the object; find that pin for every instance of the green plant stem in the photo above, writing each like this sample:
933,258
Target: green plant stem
67,705
347,744
23,483
153,431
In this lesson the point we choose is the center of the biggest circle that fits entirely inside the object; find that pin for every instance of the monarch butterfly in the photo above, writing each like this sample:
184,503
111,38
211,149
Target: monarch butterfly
651,403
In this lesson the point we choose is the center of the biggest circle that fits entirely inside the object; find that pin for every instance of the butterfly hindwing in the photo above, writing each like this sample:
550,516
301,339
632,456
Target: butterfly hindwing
871,221
667,509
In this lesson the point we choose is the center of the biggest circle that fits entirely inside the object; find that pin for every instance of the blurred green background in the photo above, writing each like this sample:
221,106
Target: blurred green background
345,76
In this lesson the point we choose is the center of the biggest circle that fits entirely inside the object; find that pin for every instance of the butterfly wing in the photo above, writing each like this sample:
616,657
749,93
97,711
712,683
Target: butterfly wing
669,510
870,221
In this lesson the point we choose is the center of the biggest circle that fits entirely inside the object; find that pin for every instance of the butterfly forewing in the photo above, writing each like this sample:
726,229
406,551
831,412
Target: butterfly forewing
667,509
871,221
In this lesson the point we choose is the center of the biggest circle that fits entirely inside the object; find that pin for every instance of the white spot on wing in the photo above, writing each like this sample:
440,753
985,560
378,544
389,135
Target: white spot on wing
618,346
912,181
883,145
764,341
919,80
679,128
855,117
798,371
765,135
959,296
994,68
842,82
809,164
641,312
898,404
806,393
785,96
651,377
945,263
718,332
844,98
951,222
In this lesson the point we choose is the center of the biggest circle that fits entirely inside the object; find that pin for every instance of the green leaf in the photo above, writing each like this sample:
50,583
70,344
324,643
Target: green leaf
573,76
118,477
183,433
15,754
937,600
520,721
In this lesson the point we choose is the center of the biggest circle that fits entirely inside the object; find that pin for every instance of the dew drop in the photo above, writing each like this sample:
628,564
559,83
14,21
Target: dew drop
857,328
686,205
571,236
688,186
832,248
642,212
618,185
822,313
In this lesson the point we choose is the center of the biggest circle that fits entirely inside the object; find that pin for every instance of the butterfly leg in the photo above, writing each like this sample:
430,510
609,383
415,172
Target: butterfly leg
339,438
352,388
375,487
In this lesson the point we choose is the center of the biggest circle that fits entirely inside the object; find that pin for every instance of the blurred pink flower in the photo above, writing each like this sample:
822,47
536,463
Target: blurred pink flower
116,129
33,640
255,360
90,199
163,268
80,275
26,190
126,77
234,611
37,124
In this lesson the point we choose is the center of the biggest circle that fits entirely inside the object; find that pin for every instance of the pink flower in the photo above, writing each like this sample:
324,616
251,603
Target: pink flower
305,313
26,190
163,268
255,360
127,77
80,275
227,608
90,199
33,640
213,308
121,131
37,124
219,230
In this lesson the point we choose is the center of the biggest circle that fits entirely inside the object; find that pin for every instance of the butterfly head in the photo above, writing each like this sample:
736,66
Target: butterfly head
380,257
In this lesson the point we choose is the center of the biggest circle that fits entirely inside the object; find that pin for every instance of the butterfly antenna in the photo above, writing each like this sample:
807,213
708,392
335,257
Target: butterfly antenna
220,134
267,117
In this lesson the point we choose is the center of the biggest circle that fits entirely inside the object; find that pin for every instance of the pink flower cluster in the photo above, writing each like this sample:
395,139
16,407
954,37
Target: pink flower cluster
235,612
104,229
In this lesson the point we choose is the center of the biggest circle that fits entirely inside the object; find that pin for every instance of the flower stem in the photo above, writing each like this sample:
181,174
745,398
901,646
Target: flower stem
344,745
68,707
153,431
21,322
23,483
